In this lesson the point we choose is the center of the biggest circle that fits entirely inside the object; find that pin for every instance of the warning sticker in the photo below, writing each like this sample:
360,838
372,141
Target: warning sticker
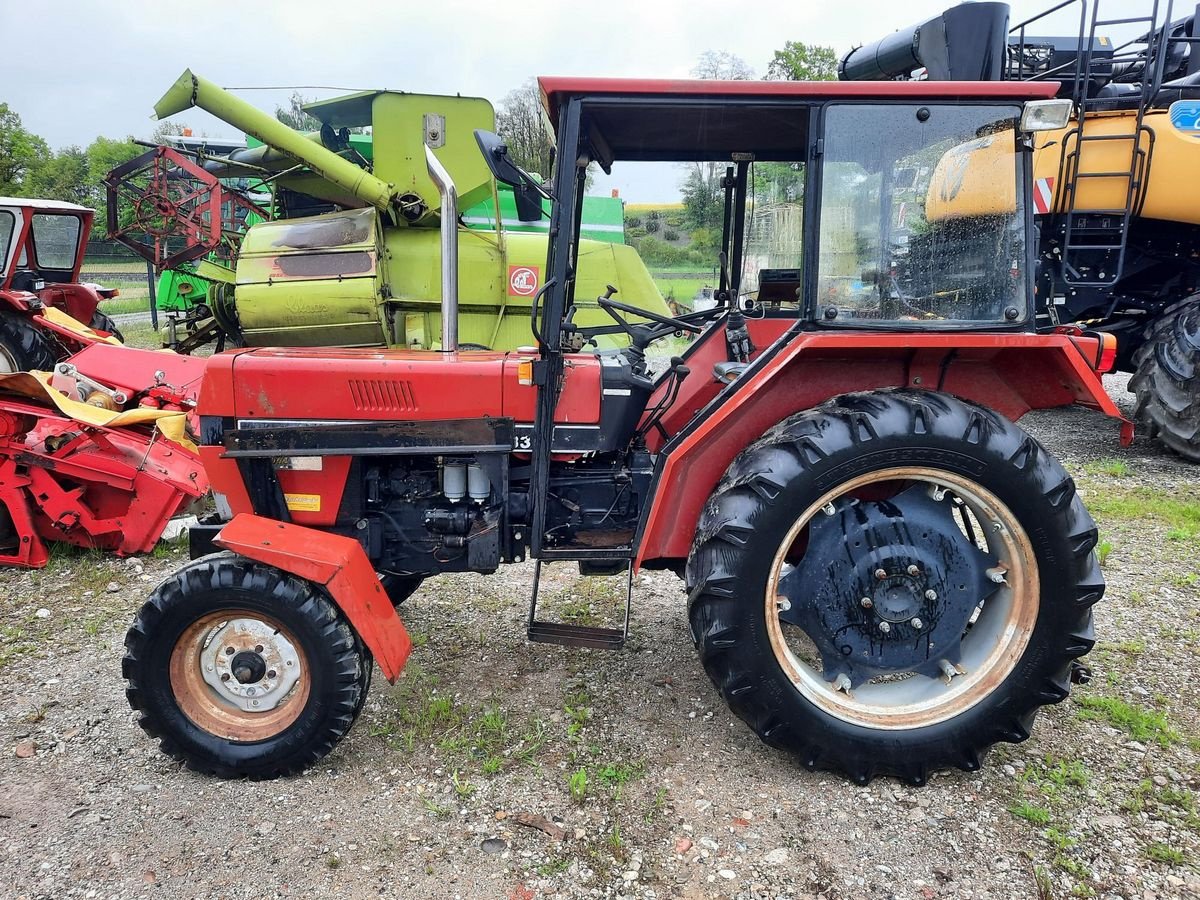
303,502
523,280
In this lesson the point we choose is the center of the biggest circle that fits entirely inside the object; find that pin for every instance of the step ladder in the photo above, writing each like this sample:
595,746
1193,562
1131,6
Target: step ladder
571,635
1094,240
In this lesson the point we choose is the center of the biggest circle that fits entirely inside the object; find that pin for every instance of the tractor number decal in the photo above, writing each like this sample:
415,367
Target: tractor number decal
522,281
1185,116
1043,195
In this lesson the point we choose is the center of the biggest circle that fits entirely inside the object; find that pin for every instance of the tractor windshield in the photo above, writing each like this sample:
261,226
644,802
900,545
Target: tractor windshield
56,239
921,219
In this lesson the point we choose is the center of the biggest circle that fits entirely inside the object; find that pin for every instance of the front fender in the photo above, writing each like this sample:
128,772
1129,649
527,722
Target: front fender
340,565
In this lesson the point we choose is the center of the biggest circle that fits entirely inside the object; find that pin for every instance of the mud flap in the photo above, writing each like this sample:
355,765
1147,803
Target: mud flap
338,564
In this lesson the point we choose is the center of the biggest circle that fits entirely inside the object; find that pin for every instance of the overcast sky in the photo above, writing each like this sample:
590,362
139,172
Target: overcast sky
75,69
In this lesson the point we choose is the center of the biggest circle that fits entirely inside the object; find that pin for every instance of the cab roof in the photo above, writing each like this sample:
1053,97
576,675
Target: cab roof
681,120
56,205
555,88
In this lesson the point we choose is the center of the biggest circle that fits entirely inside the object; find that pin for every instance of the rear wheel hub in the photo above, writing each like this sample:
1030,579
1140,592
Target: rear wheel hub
887,586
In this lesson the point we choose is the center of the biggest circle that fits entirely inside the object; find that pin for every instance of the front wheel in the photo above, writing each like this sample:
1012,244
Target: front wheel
893,582
242,670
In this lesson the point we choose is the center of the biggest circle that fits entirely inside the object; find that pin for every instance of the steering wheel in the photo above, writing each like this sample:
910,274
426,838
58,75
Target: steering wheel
612,307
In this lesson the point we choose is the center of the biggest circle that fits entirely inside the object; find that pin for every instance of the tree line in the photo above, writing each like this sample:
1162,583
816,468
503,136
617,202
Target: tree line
75,174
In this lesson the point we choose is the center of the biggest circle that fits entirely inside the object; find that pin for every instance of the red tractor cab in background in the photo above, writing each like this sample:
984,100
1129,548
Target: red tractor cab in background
884,573
42,243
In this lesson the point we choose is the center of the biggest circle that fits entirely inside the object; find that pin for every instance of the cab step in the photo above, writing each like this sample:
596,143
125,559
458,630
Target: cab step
577,635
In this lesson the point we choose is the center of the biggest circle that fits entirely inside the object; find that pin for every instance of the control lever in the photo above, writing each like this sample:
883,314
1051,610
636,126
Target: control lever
737,337
678,371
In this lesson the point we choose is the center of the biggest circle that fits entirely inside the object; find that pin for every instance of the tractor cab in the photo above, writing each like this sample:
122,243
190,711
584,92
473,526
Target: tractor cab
843,208
42,244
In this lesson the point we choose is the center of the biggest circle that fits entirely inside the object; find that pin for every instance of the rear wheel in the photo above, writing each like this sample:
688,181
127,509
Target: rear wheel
1167,379
23,346
102,322
893,582
241,669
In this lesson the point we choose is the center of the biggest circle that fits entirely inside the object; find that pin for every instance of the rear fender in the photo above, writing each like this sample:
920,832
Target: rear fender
340,565
1010,373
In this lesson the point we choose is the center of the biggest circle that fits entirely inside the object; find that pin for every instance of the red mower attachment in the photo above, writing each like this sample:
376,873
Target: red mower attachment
97,454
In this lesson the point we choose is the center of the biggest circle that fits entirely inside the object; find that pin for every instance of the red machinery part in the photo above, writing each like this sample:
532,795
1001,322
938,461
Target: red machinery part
92,486
163,194
1009,373
340,565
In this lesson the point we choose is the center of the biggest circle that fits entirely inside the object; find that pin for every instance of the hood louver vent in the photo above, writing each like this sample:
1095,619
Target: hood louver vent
382,395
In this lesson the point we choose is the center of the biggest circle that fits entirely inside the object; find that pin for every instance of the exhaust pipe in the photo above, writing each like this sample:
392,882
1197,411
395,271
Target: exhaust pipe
449,232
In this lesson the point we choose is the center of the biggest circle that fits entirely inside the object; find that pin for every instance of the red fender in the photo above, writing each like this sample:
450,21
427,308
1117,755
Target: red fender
340,565
1011,373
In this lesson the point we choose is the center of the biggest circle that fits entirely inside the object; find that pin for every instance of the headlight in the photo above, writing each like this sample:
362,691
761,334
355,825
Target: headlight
1046,115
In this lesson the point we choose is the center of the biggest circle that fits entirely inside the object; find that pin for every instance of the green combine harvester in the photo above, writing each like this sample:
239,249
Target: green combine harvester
349,253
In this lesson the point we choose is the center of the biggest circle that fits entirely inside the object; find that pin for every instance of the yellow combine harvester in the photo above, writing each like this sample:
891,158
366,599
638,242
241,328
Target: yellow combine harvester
1115,202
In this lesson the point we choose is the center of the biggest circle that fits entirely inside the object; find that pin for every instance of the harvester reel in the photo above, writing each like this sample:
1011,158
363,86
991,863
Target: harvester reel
170,210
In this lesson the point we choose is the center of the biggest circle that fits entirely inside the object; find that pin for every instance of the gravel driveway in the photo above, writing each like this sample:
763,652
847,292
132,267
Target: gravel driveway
500,769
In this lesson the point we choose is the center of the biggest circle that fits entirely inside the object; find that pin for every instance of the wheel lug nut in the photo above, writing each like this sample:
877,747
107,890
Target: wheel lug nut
913,570
916,623
866,602
224,676
272,674
885,627
880,574
931,595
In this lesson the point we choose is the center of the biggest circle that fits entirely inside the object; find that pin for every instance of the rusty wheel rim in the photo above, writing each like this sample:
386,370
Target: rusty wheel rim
239,675
992,646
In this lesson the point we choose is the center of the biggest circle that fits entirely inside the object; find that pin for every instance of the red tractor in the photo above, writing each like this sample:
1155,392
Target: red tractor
885,574
42,243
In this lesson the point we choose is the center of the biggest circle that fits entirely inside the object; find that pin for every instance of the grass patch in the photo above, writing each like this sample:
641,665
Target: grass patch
1114,468
1038,815
1164,853
1182,517
1140,724
1103,549
577,785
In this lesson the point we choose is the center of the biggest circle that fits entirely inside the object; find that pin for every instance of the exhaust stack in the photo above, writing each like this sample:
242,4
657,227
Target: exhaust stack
449,234
192,90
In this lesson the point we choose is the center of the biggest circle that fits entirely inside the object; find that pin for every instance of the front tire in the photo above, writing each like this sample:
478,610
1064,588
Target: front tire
849,617
242,670
1167,380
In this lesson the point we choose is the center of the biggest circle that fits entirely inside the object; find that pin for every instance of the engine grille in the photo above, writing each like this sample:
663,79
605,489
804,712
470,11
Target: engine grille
382,395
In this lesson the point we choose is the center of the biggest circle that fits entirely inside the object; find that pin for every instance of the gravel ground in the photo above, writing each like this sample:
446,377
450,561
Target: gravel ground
428,795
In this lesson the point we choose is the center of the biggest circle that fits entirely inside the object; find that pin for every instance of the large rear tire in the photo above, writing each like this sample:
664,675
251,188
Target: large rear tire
242,670
103,322
23,346
1167,379
891,583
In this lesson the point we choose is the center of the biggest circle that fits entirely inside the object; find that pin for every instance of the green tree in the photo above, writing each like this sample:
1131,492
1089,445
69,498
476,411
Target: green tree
803,62
21,152
520,122
294,116
104,154
62,176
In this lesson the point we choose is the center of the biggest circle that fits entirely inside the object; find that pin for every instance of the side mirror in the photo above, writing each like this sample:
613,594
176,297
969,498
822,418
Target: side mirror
529,204
504,170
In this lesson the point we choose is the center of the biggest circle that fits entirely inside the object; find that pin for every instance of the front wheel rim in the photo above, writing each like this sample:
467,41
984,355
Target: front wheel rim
239,675
991,647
